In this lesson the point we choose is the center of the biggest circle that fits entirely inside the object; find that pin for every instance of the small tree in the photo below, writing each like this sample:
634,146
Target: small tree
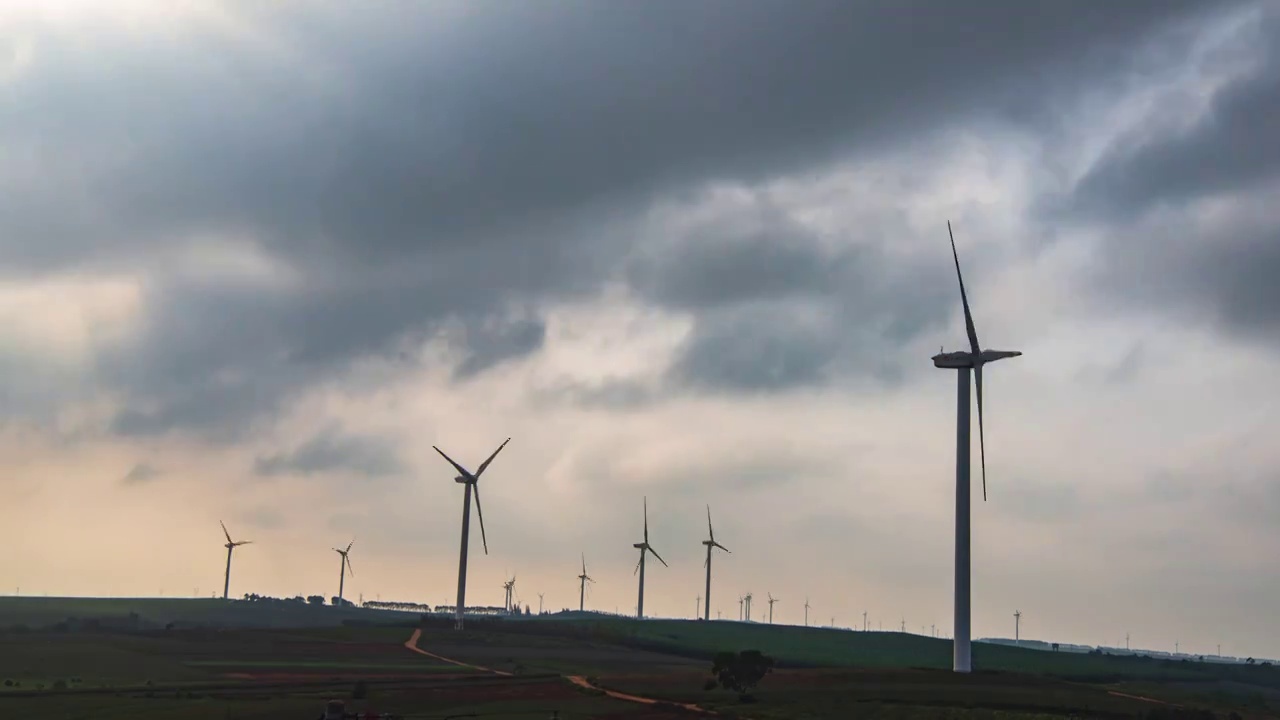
741,671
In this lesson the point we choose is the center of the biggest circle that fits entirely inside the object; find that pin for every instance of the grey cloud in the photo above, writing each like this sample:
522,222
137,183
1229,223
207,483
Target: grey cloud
410,184
765,325
494,343
140,474
1232,147
1216,270
1186,217
333,451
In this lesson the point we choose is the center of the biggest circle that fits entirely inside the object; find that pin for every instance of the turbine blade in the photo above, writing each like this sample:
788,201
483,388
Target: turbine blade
637,570
655,554
982,442
480,513
224,530
242,542
584,563
461,470
711,533
349,568
964,300
485,464
646,519
353,542
724,548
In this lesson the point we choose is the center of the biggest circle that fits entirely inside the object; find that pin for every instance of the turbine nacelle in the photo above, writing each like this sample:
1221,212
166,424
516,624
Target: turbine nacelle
962,359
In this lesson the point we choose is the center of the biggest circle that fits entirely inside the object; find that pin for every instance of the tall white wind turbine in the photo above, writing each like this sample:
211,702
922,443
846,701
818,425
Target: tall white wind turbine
472,483
644,549
962,362
711,544
230,546
343,566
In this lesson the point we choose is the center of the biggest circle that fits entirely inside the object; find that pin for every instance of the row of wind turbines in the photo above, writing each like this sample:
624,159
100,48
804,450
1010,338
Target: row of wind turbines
343,569
964,362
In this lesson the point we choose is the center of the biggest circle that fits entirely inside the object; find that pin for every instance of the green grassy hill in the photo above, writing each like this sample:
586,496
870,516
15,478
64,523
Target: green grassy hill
824,647
43,612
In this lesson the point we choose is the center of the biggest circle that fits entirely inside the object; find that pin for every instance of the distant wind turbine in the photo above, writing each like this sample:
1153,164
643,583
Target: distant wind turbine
772,600
539,603
231,545
472,483
510,587
963,361
747,598
344,564
711,544
1017,627
644,548
583,579
806,612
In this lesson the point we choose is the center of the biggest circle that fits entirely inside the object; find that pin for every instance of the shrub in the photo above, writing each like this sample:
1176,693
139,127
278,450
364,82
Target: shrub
741,671
359,691
59,684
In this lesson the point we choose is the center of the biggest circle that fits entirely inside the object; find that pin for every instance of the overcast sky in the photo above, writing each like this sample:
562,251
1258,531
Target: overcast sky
257,258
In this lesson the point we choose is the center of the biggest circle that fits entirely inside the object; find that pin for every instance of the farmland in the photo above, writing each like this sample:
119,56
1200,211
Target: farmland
210,659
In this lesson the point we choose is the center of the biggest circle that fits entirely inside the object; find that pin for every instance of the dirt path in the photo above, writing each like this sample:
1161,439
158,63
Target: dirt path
412,644
580,681
1117,693
583,683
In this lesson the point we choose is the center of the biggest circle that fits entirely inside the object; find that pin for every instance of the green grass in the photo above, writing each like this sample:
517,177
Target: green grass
39,612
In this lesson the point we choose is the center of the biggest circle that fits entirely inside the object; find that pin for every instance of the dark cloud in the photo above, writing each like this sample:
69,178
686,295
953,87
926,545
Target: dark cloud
435,163
332,451
140,474
1185,215
1231,147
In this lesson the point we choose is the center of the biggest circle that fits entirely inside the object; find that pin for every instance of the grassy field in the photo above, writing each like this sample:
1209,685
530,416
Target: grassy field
41,612
274,667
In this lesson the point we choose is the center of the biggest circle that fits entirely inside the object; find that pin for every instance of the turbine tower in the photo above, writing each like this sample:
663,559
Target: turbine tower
231,545
343,566
583,579
772,600
963,362
747,598
539,603
472,484
741,600
711,544
1017,627
644,548
806,612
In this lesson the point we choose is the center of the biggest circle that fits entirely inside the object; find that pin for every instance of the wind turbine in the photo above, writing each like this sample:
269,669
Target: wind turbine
643,547
806,612
962,362
742,599
747,598
510,587
539,603
711,544
231,545
472,483
343,566
1017,627
583,579
772,600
